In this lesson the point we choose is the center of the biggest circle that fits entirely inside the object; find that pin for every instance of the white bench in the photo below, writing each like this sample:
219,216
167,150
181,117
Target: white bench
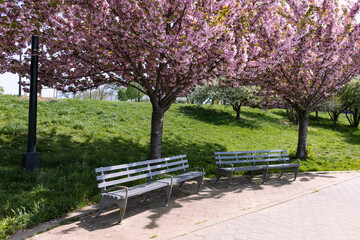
111,179
254,161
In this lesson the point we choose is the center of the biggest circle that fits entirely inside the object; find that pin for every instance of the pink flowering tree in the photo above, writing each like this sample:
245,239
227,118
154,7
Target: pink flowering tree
304,52
165,46
16,29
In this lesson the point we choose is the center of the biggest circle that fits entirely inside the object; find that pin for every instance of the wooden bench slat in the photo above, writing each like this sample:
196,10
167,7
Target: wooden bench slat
251,161
247,152
141,176
278,159
138,170
283,165
136,190
251,156
136,164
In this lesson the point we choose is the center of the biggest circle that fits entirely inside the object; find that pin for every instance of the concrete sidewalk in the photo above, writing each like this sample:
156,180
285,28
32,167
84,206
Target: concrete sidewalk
332,213
315,206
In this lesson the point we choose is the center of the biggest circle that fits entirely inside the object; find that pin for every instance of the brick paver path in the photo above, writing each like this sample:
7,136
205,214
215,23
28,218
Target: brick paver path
331,213
315,206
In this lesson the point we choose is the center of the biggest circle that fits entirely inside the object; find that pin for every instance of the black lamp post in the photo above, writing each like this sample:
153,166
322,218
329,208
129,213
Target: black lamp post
20,81
31,159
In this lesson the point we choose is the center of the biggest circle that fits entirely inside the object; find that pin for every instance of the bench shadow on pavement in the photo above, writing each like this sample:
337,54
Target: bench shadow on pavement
187,195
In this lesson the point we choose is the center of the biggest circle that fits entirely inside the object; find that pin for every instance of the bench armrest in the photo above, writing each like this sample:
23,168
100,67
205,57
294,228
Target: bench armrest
115,187
165,175
196,168
228,164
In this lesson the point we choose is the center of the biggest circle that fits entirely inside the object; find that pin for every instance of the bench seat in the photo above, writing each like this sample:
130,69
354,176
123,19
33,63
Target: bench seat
249,168
181,178
283,165
136,190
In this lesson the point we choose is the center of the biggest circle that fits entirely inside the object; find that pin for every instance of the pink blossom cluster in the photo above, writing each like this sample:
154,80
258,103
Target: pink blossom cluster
304,51
17,23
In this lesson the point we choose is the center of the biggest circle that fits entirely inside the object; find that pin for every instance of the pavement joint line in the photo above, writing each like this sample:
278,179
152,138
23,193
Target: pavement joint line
269,205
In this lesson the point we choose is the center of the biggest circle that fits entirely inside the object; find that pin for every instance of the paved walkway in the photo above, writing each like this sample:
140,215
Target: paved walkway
332,213
315,206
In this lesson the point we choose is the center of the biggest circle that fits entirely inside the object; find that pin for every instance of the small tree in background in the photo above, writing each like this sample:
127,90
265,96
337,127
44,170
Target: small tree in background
1,90
122,94
202,94
350,95
334,107
133,93
235,97
239,96
291,113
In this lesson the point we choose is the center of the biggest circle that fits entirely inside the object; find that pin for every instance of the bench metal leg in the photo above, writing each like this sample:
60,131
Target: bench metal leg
168,194
264,176
102,205
229,178
296,171
199,183
122,205
181,184
252,175
218,175
282,172
147,196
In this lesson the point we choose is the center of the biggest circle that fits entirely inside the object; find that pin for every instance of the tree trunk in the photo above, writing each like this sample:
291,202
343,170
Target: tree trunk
303,128
316,115
356,117
237,114
353,117
157,121
334,115
237,108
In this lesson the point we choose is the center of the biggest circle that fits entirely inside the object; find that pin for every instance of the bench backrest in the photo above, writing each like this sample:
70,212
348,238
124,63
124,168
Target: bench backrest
242,157
115,175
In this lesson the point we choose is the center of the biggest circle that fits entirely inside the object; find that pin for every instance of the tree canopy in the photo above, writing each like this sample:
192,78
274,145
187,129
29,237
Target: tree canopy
301,51
304,52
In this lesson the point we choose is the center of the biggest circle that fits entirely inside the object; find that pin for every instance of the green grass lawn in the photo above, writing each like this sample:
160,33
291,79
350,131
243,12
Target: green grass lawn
74,137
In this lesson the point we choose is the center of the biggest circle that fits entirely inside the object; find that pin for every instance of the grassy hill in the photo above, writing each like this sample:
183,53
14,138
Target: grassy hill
75,136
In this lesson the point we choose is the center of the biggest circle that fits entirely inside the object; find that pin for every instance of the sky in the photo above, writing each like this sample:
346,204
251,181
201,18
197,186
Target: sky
10,84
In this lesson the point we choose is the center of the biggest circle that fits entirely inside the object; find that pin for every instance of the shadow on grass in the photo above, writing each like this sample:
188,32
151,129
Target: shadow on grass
349,134
66,180
219,117
200,154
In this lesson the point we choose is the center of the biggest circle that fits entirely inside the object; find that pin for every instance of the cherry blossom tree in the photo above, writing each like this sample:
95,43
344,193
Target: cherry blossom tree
304,52
165,46
15,30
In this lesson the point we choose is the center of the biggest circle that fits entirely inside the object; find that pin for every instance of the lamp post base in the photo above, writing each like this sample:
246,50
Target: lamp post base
30,160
